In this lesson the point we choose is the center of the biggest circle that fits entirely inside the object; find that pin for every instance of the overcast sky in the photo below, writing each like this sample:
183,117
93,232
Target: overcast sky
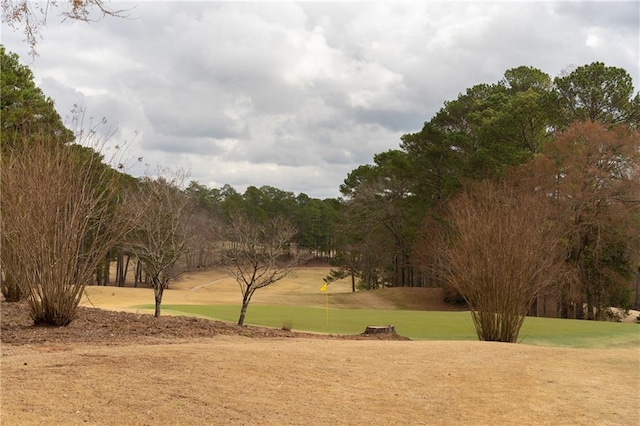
296,95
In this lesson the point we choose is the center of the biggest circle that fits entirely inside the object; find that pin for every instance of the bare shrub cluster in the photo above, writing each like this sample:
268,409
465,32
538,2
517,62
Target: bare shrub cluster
500,252
59,219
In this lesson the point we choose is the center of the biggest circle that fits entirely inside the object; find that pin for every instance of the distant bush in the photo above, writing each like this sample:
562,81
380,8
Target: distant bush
452,296
287,324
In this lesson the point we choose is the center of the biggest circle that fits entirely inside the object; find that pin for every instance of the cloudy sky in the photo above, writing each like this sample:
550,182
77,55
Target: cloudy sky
295,95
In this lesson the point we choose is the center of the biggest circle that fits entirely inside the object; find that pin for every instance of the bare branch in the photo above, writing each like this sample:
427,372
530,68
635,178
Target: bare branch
160,212
30,16
59,219
258,254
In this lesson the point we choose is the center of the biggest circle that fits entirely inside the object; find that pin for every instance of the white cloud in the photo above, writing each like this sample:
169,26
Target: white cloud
296,95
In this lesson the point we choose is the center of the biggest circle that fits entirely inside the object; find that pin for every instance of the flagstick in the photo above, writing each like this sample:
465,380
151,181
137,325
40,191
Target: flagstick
326,304
325,288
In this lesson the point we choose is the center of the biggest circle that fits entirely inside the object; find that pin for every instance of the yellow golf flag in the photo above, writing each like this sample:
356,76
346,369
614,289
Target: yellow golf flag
324,287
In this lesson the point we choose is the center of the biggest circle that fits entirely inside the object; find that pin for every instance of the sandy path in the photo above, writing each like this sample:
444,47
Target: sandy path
201,286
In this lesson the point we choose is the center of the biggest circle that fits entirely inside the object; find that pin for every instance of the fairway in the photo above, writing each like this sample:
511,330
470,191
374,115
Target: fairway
298,302
421,325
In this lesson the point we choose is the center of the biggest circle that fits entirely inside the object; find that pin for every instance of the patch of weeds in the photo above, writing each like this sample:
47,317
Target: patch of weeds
287,325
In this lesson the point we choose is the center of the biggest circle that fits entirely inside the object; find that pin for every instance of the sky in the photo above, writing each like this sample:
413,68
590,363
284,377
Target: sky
296,95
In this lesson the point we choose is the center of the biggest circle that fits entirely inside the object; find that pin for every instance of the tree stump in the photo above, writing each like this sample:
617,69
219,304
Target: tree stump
380,329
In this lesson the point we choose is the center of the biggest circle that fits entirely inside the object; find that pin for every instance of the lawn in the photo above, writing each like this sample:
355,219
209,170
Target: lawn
419,325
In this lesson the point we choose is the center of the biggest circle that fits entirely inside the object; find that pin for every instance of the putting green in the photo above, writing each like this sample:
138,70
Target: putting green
418,325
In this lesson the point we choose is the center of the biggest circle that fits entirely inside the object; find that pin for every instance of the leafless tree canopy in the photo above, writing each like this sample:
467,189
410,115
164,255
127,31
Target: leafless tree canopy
258,254
160,212
499,254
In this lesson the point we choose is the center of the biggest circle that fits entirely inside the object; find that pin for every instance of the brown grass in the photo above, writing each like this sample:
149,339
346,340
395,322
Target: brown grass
236,380
231,379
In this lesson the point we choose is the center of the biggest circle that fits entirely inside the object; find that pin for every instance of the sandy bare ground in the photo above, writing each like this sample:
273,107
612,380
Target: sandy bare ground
96,378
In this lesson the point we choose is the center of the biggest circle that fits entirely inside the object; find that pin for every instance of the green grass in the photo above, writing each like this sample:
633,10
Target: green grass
579,333
419,325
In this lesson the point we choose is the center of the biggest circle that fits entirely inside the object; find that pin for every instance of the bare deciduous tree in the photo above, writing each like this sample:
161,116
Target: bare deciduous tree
258,254
499,254
59,219
161,213
31,16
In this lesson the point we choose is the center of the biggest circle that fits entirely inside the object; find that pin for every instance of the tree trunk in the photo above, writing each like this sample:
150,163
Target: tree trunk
158,290
245,304
201,261
138,273
563,307
124,271
380,329
118,268
243,313
106,269
122,268
636,303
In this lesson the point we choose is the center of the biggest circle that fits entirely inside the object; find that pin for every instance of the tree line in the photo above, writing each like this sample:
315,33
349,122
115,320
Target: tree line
572,141
525,189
